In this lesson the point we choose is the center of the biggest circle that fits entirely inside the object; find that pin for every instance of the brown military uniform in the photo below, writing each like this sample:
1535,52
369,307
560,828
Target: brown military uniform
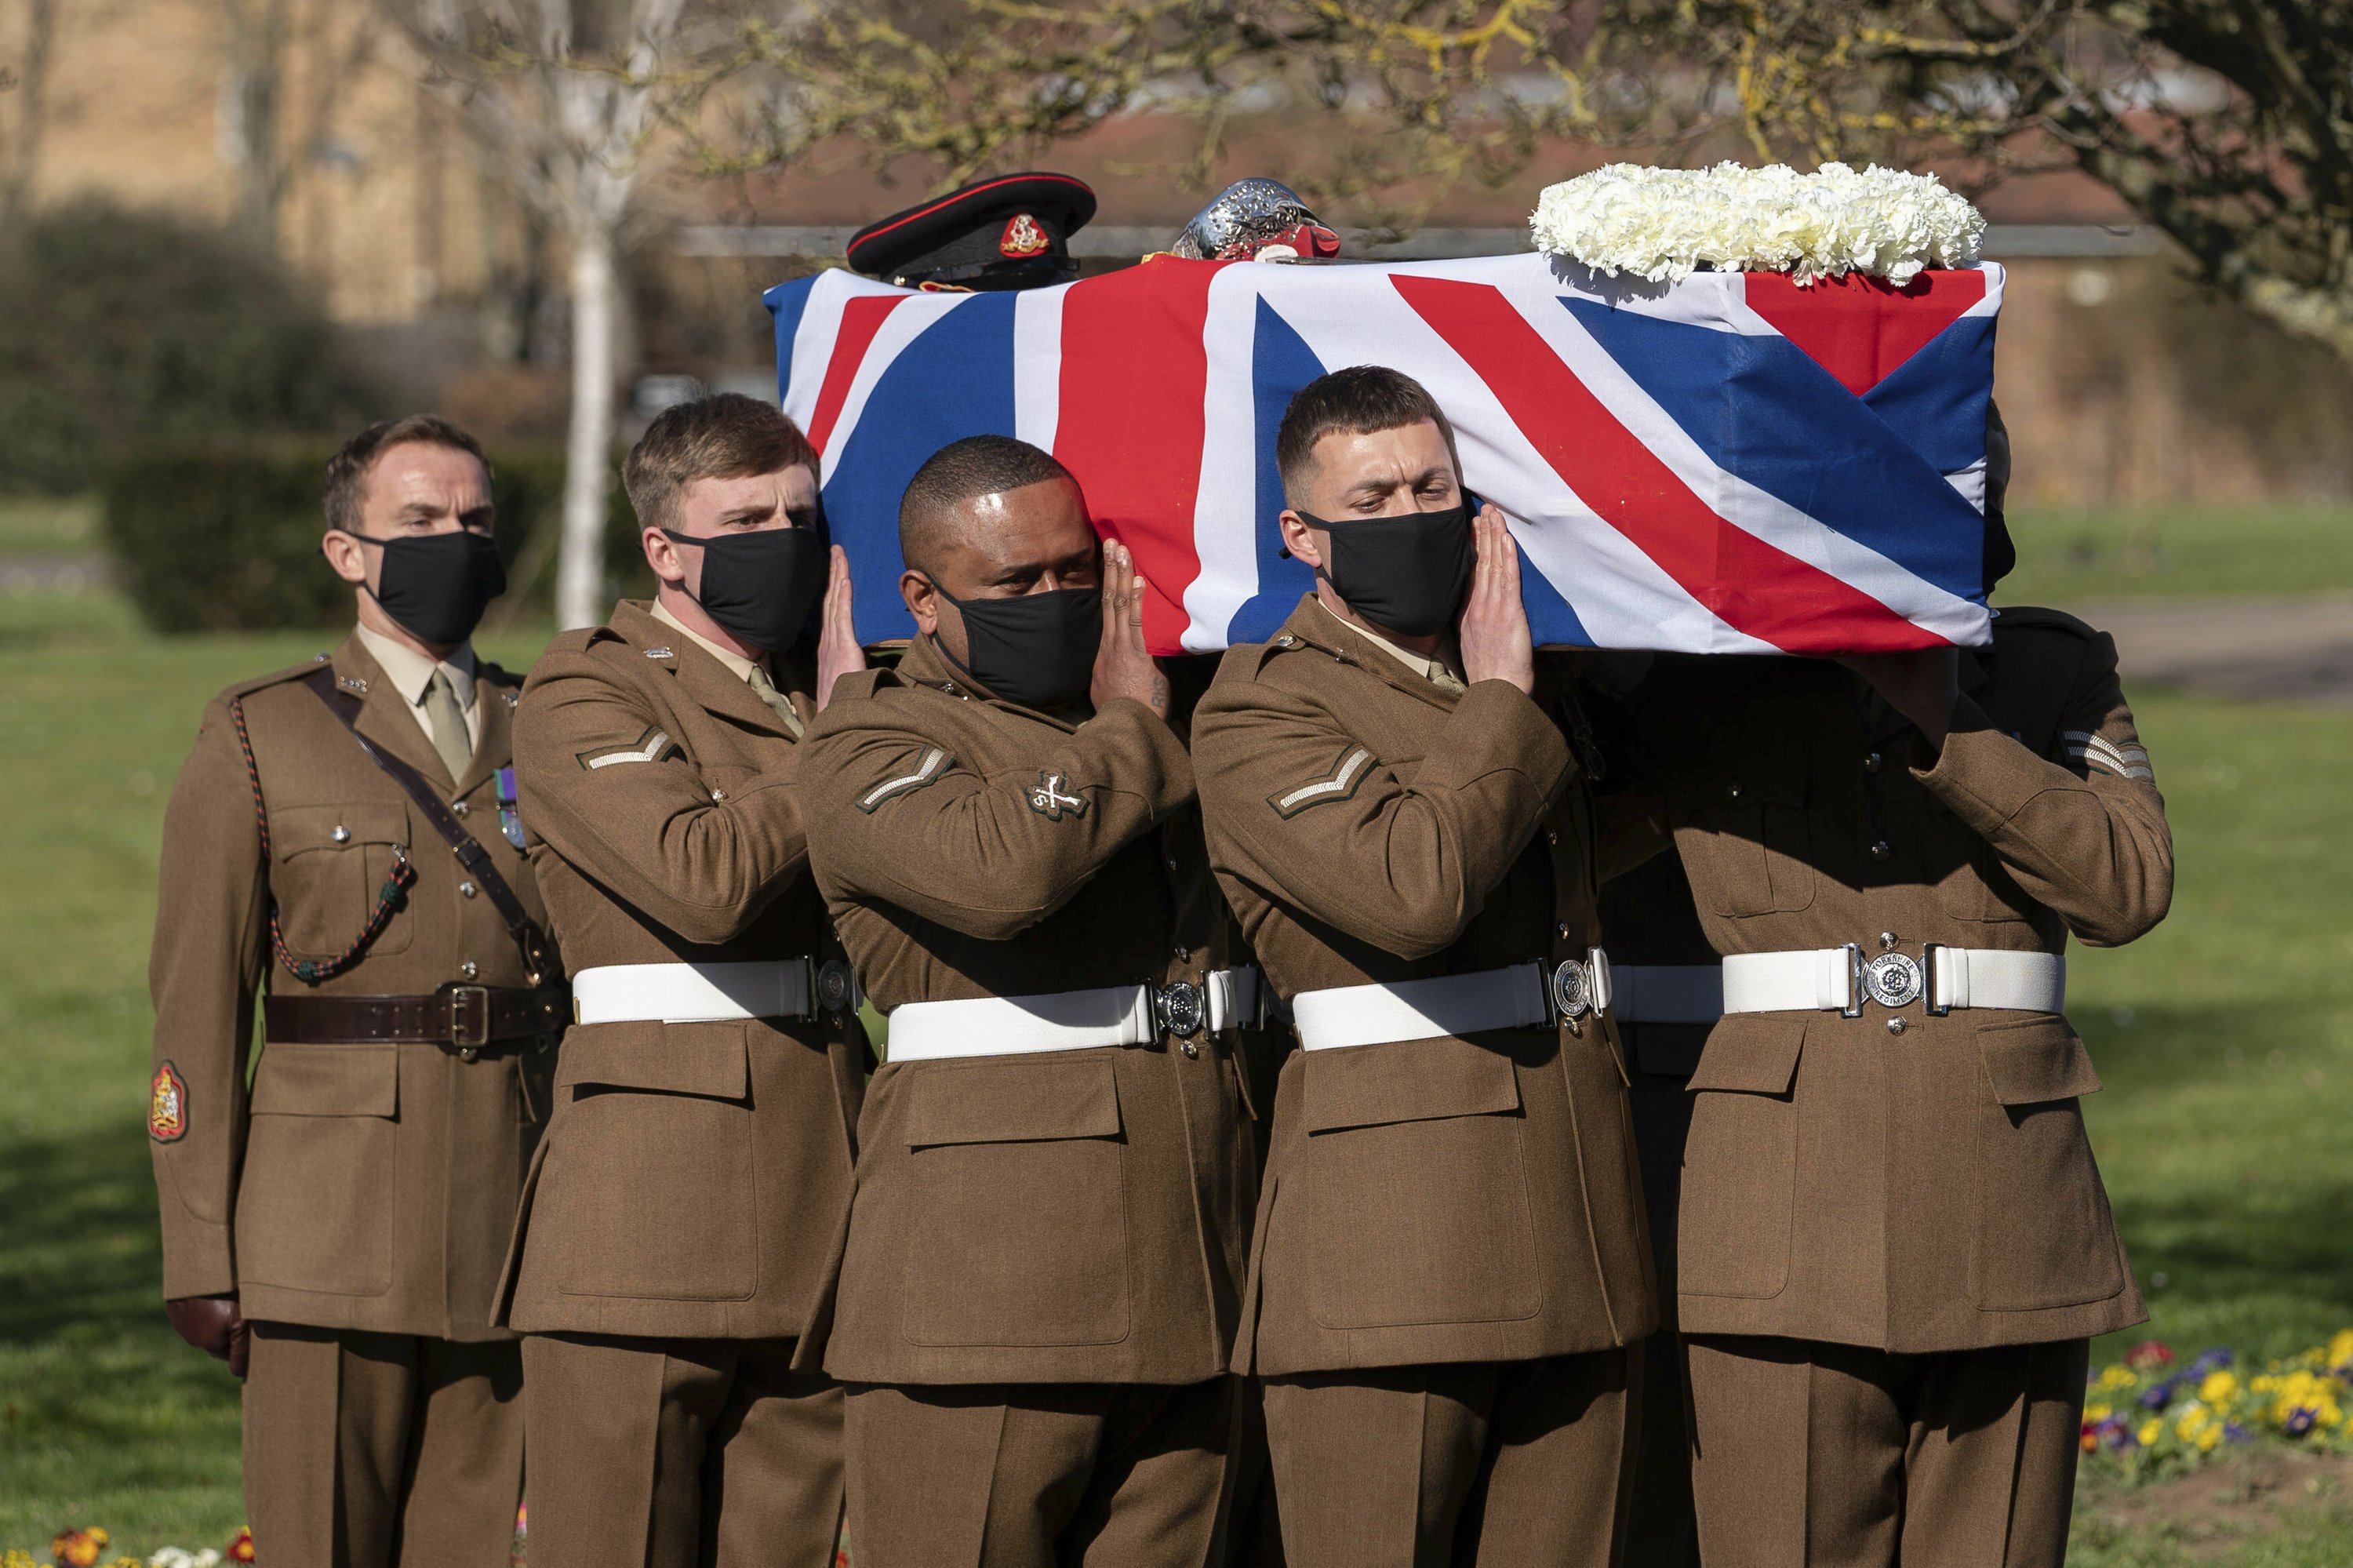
356,1199
1038,1286
1894,1235
1445,1200
671,1241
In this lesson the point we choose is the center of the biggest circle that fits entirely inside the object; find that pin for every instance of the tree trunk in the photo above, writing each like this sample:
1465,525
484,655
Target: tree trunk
32,110
587,457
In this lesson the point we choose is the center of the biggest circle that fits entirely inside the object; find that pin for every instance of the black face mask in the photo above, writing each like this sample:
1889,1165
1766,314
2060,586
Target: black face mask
1035,649
1406,573
760,584
437,585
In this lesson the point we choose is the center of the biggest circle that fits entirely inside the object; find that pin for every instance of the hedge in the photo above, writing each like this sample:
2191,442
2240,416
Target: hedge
224,537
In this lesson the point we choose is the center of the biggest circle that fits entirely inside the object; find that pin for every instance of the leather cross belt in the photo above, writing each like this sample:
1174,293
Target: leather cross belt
464,1017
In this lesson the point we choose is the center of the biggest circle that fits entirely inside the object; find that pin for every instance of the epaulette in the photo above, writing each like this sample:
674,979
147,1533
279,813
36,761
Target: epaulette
2040,618
496,674
275,678
1244,660
860,683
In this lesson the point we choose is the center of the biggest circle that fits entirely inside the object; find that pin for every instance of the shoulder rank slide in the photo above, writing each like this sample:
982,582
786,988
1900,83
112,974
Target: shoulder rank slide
653,746
1340,782
934,763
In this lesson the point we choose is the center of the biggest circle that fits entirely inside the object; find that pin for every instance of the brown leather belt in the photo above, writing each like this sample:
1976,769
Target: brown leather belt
464,1017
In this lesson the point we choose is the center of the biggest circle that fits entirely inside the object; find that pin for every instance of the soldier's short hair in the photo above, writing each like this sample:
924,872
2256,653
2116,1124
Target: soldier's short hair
347,470
724,436
960,472
1357,401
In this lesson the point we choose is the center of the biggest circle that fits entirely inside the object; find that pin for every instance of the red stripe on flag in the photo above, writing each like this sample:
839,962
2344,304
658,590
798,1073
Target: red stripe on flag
861,318
1862,329
1754,587
1130,425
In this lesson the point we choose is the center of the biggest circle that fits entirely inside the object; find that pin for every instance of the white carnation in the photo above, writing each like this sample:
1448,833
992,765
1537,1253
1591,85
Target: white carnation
1662,225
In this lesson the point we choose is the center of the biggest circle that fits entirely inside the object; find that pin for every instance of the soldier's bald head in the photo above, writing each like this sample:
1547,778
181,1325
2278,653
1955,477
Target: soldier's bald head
933,508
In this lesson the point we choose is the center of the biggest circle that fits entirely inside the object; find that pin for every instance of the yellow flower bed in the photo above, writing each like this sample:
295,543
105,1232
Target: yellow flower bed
2146,1413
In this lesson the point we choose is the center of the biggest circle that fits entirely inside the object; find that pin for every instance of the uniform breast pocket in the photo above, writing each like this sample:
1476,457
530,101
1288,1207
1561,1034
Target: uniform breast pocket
331,864
318,1201
1740,1160
1748,848
649,1191
2044,1233
1018,1228
1414,1203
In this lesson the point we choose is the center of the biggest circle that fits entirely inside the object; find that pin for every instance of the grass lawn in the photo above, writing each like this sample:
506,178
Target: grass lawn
2226,1039
2073,557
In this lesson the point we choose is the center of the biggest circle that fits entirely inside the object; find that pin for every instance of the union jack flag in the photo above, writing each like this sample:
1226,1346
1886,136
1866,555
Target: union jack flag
1727,465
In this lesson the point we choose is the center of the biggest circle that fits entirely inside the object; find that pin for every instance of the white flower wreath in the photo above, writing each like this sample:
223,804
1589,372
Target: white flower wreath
1664,225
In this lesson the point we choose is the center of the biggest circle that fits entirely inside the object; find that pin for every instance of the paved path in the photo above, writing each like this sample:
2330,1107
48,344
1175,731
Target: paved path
2300,648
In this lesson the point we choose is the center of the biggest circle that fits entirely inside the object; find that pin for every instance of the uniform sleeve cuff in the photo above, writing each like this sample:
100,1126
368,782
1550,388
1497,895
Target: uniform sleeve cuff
198,1260
1512,731
1984,775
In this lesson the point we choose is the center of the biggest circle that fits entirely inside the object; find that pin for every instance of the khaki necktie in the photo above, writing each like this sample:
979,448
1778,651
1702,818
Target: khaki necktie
765,690
445,722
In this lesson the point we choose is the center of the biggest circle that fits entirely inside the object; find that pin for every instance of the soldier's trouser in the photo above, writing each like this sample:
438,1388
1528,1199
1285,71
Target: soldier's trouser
1040,1475
1483,1462
1836,1457
364,1450
674,1453
1661,1531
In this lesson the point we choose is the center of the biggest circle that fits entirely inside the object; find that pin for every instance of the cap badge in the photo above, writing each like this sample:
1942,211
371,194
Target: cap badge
1022,237
167,1106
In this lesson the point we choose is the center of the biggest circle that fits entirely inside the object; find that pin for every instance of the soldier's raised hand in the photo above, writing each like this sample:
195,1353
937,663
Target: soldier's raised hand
838,652
1496,643
1123,668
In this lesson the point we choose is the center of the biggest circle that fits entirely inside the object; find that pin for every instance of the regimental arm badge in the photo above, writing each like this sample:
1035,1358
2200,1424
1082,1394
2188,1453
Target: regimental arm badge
167,1106
1052,798
1022,237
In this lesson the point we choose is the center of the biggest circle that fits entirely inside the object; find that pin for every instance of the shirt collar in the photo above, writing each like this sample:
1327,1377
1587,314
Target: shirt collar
411,671
736,664
1438,671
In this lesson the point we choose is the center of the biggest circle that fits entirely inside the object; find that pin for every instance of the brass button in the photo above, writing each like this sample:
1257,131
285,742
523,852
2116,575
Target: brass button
1172,862
1188,1048
719,794
1887,941
1896,1026
1563,929
1552,835
467,888
1873,763
459,808
1881,849
468,970
1180,951
341,835
1735,792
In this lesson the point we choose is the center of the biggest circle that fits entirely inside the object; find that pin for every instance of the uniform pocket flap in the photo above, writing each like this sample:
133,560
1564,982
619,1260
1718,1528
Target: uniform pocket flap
706,1059
2034,1060
1751,1054
1420,1080
295,829
327,1080
1013,1102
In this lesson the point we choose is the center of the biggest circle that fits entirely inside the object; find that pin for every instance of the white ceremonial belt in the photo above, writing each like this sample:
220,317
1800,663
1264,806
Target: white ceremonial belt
1666,993
693,993
1840,980
1519,997
1073,1020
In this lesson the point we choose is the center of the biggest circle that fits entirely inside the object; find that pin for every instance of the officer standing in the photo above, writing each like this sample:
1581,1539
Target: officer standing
1894,1240
341,846
1039,1282
1450,1276
696,1171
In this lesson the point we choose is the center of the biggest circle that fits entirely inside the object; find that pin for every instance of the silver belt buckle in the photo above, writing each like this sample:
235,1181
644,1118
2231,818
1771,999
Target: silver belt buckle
1572,988
1892,980
1180,1007
837,986
1931,967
